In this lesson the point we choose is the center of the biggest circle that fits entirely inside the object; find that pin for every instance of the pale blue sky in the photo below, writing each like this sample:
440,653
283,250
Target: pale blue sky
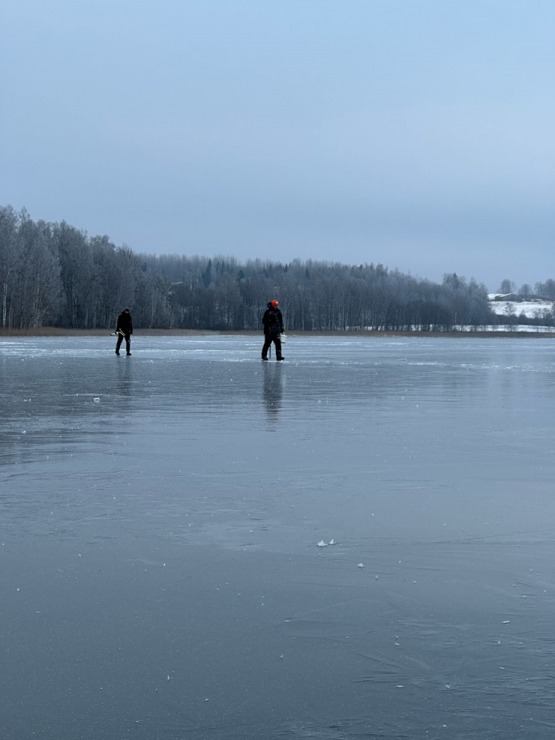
415,133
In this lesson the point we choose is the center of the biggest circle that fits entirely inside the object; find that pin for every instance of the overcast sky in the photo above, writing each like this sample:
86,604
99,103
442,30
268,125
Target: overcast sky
415,133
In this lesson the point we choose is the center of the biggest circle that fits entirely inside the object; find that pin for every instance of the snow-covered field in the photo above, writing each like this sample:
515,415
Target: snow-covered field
508,327
531,309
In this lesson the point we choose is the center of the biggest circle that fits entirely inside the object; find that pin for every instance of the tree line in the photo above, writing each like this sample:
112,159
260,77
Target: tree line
55,275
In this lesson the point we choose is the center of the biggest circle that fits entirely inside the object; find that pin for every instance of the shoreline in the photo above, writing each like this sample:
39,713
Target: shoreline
57,332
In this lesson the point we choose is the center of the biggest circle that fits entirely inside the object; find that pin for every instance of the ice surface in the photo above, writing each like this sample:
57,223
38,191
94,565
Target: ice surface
159,516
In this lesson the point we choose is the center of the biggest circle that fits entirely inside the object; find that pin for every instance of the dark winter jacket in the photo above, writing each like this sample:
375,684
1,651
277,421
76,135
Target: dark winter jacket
125,324
273,321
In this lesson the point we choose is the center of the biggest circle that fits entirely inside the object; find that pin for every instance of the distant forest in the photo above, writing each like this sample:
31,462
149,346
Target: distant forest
55,275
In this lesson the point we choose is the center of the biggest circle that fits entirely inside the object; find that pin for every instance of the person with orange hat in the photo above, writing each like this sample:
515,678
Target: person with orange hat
273,329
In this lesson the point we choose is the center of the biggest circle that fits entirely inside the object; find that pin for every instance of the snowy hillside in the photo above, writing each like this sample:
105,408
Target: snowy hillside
532,309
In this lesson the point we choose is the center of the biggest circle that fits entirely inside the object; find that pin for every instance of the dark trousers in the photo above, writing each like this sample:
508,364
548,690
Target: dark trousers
268,339
127,338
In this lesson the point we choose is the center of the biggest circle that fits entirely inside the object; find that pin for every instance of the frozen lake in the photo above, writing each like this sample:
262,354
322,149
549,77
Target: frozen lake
165,529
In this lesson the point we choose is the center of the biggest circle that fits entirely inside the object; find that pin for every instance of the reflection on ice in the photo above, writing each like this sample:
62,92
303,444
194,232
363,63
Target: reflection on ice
274,381
172,515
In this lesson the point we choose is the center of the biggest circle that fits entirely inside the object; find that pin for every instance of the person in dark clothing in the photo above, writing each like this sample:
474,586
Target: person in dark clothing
273,329
124,329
